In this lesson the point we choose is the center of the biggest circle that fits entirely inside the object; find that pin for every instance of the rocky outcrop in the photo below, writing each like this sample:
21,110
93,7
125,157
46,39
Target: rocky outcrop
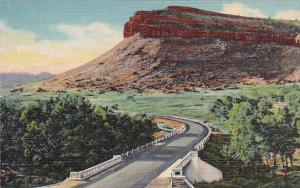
183,49
188,22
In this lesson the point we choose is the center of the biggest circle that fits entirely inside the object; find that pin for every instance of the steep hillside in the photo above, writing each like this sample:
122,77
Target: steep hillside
181,48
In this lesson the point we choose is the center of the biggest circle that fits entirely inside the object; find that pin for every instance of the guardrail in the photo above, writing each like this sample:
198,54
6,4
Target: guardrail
96,169
201,144
177,171
81,175
177,176
145,146
185,160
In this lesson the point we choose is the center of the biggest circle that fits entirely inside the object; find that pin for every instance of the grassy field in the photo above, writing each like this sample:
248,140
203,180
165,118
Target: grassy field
187,104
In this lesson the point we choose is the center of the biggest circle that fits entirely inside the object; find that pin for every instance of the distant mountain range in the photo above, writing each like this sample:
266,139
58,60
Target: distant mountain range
14,79
183,48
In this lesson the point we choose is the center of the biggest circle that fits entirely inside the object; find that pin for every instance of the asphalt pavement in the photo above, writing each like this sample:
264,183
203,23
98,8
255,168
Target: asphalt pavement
139,170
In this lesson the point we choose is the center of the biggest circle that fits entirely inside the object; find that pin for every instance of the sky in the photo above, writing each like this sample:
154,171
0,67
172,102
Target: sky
57,35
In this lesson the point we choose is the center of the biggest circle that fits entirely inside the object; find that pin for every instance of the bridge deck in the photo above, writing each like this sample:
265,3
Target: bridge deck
137,172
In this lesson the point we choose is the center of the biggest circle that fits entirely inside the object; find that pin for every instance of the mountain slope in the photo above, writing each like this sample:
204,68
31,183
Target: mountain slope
176,59
13,79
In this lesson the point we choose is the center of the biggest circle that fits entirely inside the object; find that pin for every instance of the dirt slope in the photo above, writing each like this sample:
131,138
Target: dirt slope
174,63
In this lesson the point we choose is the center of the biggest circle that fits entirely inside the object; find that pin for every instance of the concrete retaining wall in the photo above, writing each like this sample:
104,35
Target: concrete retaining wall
200,171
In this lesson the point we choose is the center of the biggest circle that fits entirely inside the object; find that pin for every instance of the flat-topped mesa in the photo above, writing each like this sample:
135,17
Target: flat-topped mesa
186,22
177,50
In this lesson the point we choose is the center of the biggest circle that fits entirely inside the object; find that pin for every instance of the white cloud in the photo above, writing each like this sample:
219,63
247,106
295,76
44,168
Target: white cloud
240,9
92,30
21,51
288,14
82,36
9,36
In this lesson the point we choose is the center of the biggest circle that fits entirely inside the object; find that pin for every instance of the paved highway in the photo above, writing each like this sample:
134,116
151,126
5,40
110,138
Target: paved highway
139,170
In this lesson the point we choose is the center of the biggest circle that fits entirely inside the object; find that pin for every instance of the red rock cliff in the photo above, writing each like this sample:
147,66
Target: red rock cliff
189,22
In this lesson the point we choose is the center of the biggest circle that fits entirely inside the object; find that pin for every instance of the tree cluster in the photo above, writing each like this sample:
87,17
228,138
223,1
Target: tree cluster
66,133
260,131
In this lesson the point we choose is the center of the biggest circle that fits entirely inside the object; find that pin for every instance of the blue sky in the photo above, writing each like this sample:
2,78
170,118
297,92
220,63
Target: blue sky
48,24
40,15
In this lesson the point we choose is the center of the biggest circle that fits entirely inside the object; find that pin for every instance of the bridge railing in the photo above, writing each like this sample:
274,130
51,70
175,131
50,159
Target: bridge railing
96,169
177,172
81,175
201,144
185,160
145,146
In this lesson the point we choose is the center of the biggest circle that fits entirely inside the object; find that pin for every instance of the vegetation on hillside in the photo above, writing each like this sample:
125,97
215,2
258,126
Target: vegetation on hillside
187,104
43,141
264,135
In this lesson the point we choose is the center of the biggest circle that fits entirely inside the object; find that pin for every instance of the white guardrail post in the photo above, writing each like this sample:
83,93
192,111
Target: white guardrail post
81,175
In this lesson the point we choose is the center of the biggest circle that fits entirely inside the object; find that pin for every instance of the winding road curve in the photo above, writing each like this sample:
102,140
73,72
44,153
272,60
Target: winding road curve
138,171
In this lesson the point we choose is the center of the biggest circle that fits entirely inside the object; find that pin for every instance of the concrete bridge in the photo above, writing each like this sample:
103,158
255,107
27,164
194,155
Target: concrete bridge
138,167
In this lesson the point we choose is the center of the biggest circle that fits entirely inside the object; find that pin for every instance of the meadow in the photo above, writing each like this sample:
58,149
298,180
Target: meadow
187,104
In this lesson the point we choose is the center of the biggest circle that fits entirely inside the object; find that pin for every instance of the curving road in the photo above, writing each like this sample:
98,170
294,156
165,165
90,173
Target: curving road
138,171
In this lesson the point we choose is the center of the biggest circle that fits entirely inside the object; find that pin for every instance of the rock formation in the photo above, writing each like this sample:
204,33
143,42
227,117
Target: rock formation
181,48
188,22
